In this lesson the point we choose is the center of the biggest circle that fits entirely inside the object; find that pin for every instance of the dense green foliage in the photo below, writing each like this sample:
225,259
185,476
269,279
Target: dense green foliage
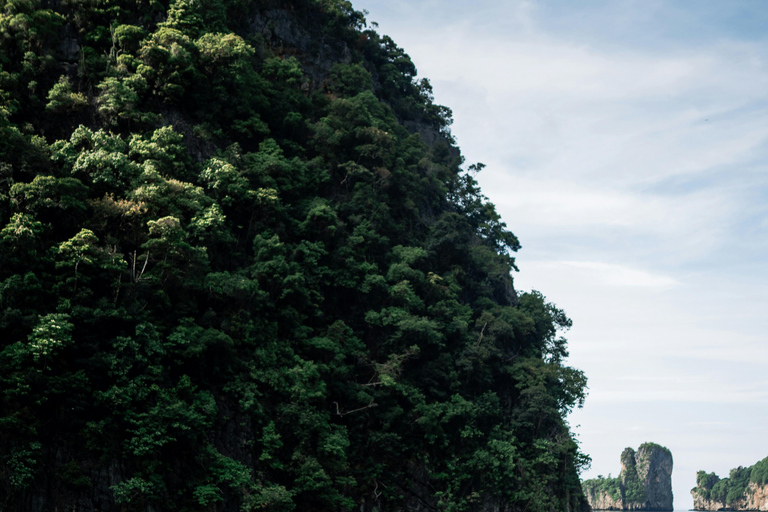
231,279
733,489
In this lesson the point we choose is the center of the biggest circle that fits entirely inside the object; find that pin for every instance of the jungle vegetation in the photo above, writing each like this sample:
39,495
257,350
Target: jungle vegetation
243,267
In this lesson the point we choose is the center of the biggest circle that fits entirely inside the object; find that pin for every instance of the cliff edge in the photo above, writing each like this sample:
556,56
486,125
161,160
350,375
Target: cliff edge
645,482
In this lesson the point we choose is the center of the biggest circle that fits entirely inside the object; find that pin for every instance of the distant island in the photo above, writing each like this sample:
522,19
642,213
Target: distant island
744,489
645,482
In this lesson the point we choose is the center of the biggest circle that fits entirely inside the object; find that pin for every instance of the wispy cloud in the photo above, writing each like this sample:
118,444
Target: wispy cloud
609,274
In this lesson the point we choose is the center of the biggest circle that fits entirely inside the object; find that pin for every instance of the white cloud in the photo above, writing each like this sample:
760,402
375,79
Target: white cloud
618,117
678,390
541,67
608,274
563,204
627,116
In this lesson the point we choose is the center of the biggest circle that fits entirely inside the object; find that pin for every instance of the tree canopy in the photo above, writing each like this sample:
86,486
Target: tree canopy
241,268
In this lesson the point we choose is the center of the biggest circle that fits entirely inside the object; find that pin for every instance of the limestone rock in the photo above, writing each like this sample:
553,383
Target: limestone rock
654,467
601,500
645,482
755,497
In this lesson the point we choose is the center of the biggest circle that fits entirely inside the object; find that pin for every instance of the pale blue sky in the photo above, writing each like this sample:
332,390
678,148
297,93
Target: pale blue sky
627,148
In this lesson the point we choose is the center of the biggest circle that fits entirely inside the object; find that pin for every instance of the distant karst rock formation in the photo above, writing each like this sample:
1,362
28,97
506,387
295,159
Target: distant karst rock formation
743,489
645,482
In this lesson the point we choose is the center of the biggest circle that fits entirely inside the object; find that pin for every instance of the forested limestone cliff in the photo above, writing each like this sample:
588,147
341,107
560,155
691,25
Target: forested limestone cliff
744,489
645,482
241,268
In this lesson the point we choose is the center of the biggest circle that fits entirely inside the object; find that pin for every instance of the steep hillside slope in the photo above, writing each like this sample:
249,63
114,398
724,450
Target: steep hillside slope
242,269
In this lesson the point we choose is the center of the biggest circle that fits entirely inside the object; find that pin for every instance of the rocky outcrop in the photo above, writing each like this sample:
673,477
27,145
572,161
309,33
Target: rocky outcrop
654,467
645,482
757,497
601,500
743,489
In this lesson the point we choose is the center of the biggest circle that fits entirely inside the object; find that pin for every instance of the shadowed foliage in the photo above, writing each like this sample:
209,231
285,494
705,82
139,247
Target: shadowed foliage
231,279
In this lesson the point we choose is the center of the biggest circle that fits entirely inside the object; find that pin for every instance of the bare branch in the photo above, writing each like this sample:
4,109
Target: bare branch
481,333
344,413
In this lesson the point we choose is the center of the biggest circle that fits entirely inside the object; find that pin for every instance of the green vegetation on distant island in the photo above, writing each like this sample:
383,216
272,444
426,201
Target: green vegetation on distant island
731,490
610,486
242,268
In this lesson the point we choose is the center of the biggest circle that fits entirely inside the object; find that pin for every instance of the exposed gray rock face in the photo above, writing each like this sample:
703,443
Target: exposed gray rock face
645,482
282,31
654,467
601,500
